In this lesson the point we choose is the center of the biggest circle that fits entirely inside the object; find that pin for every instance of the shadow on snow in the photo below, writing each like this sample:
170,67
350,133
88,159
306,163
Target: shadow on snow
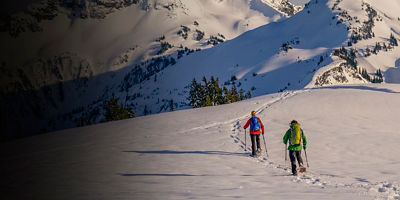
224,153
358,87
177,175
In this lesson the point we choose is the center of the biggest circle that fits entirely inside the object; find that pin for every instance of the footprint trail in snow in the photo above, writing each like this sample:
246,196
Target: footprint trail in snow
377,190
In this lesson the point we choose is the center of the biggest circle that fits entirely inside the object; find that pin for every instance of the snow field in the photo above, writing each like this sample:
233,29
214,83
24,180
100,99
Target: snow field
360,155
199,153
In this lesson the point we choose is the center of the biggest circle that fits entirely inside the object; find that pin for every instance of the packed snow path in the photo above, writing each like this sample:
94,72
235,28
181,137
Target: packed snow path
199,153
385,190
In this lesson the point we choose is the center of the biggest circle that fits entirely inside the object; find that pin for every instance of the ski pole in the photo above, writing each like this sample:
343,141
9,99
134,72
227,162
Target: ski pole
245,140
305,152
266,151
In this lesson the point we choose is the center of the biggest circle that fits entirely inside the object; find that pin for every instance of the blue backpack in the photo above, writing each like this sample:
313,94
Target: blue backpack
255,124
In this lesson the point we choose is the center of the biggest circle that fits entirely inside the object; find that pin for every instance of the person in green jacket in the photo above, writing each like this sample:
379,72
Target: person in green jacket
295,135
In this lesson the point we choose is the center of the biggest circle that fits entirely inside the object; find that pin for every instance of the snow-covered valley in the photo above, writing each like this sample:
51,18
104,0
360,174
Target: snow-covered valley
200,153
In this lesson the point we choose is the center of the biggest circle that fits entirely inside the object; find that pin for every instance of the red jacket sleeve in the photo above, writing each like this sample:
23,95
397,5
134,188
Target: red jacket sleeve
262,125
247,124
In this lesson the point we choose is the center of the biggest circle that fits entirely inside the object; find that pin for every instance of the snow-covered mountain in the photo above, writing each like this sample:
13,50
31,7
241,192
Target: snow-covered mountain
147,55
302,51
60,47
200,153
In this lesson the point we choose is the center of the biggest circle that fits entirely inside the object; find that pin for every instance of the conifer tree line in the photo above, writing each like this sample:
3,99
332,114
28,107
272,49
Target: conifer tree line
350,58
209,93
115,111
377,78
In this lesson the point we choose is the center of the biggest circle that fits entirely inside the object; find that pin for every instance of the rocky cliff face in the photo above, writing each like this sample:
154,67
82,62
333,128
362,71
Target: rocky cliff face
43,72
29,19
283,6
38,91
97,9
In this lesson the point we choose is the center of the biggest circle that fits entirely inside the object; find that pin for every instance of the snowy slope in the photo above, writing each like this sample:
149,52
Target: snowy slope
199,153
256,59
290,54
102,41
302,51
53,55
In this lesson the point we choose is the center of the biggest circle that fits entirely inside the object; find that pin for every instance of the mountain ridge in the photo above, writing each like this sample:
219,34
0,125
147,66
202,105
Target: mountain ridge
303,51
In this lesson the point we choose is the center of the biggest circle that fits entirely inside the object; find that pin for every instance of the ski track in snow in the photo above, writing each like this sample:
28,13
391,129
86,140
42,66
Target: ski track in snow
378,190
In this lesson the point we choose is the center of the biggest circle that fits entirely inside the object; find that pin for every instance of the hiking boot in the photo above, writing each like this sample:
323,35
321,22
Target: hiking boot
255,155
302,169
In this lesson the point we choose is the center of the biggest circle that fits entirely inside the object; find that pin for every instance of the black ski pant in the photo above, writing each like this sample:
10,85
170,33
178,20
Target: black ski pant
255,138
295,155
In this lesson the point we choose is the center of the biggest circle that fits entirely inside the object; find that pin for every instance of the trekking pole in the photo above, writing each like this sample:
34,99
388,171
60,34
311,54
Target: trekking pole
245,140
285,153
305,152
266,151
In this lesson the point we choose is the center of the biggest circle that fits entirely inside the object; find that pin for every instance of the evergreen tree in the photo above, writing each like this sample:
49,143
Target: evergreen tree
205,90
210,94
204,80
195,98
378,78
248,95
367,52
216,92
114,111
352,58
349,57
171,105
384,47
241,94
393,40
379,73
234,94
212,90
365,74
227,96
145,112
208,101
377,48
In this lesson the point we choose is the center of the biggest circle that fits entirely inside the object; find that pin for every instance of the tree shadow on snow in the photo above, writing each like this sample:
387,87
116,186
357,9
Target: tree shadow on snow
224,153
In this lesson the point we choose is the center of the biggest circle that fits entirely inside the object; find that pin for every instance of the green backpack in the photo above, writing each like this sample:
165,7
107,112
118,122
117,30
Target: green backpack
295,134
